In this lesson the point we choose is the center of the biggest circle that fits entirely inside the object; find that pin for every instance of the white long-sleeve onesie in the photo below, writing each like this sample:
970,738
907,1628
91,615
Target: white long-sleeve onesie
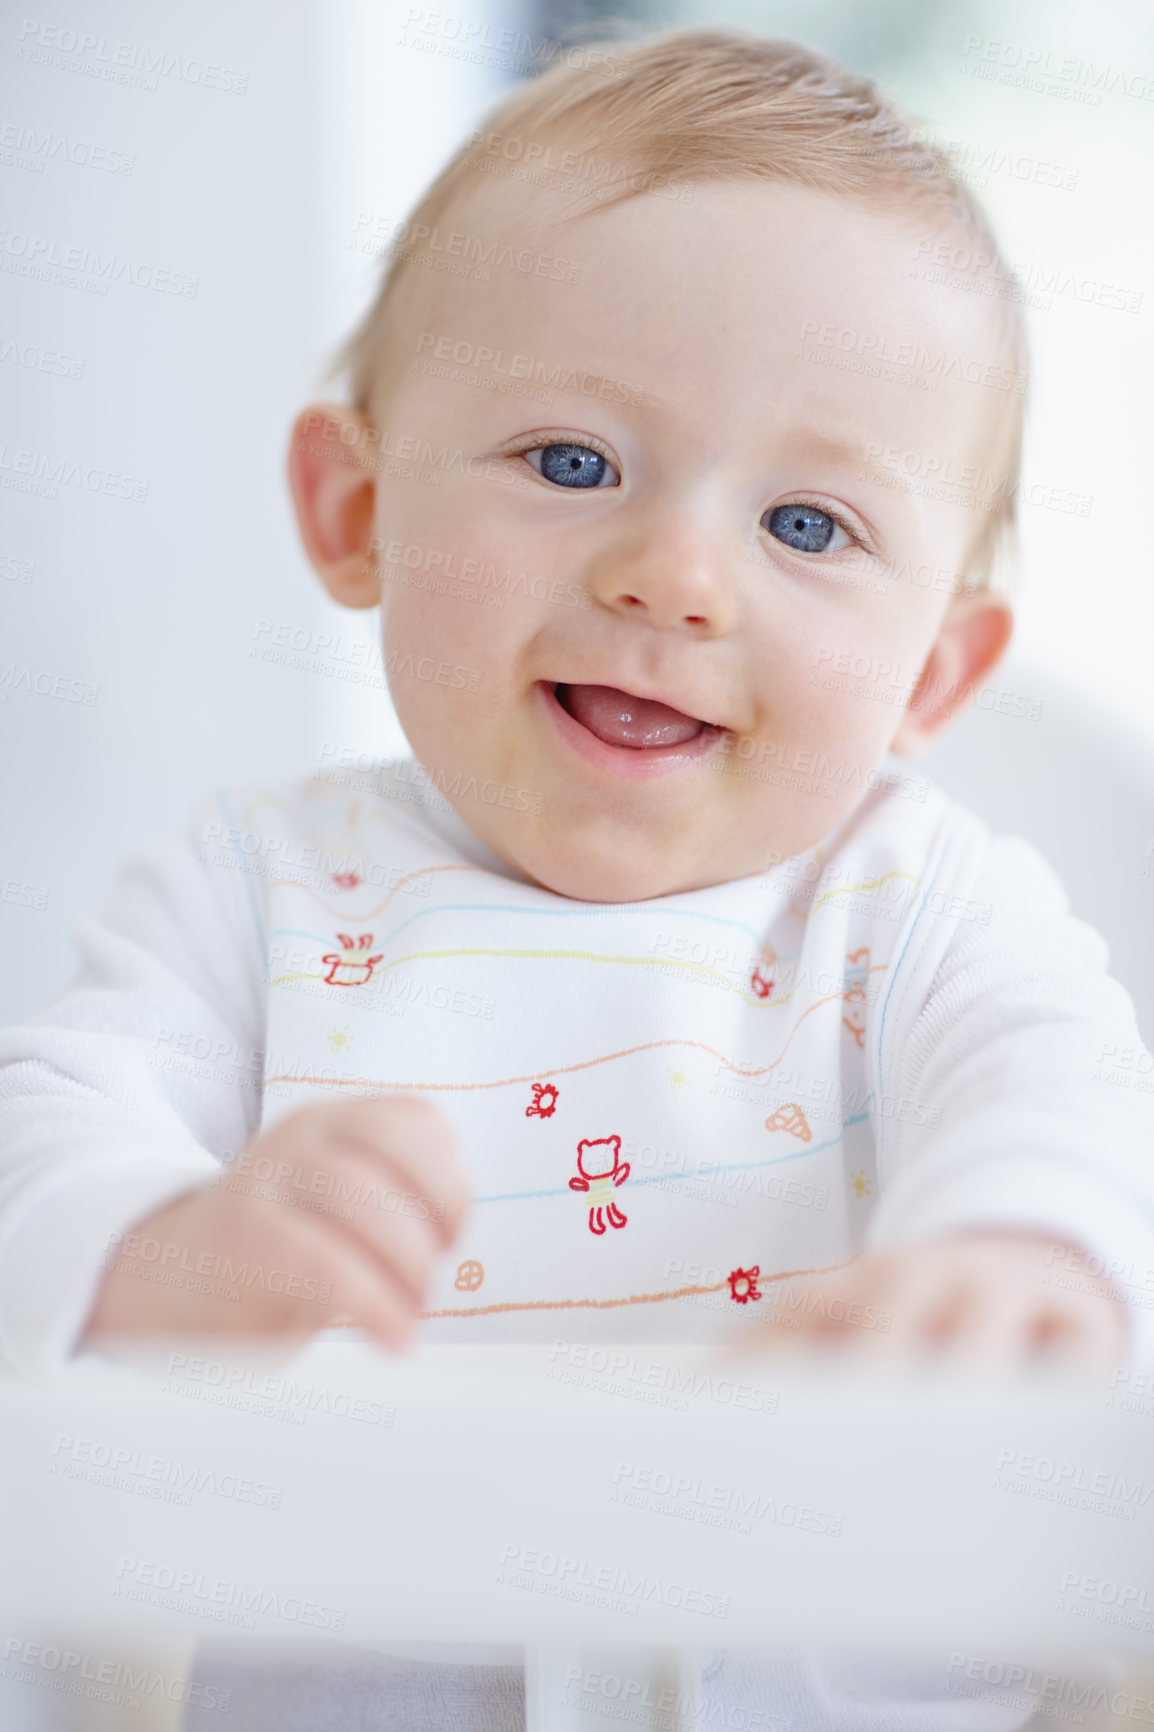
901,1032
665,1106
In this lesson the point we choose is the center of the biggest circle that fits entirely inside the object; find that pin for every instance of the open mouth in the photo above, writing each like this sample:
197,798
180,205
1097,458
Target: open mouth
624,735
620,719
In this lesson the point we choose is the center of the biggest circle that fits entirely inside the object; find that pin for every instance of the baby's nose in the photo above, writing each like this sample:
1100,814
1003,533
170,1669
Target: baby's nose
676,579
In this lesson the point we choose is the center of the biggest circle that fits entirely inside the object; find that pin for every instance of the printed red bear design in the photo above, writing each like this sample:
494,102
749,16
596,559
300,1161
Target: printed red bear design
599,1180
352,966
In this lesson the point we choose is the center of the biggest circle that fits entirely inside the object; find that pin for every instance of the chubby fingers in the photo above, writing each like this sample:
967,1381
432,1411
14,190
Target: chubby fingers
976,1305
324,1275
411,1145
376,1192
846,1311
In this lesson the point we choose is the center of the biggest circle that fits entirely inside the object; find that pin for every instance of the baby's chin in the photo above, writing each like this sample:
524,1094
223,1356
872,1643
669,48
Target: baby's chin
600,873
606,858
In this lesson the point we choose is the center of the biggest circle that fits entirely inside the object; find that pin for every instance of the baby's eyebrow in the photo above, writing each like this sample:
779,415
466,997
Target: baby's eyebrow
812,445
809,442
587,379
615,388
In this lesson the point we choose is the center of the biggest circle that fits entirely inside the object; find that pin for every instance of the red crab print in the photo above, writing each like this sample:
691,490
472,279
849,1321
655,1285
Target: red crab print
544,1101
743,1284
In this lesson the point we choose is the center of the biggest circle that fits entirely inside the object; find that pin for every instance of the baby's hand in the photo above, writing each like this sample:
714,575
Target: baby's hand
358,1200
978,1301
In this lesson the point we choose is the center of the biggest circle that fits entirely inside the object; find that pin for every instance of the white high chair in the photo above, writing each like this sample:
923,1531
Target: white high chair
485,1514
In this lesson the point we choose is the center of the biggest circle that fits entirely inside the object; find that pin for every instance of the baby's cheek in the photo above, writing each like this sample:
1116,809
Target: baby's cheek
840,710
410,614
422,617
445,671
808,765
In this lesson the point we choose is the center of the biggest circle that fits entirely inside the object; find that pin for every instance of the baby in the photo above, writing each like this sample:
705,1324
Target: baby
650,999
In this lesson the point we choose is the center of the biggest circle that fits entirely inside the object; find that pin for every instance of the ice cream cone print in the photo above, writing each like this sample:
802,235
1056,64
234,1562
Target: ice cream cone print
791,1119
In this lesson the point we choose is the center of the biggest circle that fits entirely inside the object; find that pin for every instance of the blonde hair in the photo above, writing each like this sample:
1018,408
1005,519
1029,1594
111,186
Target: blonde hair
697,105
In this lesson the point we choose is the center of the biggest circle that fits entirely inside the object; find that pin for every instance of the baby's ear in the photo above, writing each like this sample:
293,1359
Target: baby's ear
332,473
972,640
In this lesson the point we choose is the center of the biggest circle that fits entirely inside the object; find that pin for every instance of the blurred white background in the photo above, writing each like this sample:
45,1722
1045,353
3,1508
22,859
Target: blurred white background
238,150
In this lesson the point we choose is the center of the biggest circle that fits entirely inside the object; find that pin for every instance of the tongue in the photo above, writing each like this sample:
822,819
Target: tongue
620,719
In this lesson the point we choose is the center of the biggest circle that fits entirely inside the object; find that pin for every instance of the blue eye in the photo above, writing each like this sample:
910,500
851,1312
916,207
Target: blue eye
572,465
803,527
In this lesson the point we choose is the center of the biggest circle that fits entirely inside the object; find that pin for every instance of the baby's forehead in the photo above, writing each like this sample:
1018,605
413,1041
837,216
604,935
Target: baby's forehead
845,285
493,216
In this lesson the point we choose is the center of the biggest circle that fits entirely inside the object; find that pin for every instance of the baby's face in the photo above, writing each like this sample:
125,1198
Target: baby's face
700,539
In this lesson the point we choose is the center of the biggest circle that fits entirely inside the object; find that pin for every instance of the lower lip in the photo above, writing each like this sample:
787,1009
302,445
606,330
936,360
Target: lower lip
634,762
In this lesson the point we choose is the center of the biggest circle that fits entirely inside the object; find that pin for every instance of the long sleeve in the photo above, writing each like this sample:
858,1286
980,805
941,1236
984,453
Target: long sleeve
131,1086
1011,1083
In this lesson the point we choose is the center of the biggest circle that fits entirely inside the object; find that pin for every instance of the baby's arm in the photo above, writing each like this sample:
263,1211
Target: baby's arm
121,1099
128,1087
319,1257
1011,1175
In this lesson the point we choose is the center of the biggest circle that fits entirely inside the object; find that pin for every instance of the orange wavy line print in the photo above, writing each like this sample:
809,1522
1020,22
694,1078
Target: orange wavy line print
607,1304
563,1070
